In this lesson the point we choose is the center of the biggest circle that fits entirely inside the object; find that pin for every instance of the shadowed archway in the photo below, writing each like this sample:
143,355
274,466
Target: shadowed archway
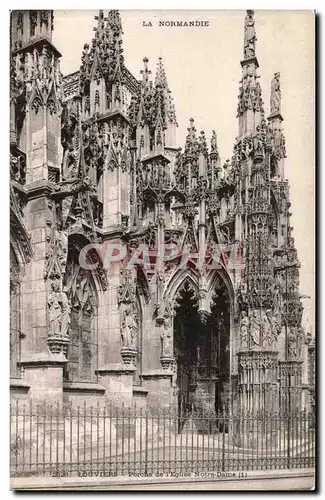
201,348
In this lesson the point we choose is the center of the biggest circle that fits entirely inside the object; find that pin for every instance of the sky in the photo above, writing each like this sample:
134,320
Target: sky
203,72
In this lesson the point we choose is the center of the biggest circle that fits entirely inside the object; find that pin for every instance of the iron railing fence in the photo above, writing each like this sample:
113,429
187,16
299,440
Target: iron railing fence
58,441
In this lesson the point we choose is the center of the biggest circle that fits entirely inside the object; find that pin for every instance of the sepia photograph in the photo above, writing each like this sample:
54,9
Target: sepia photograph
162,250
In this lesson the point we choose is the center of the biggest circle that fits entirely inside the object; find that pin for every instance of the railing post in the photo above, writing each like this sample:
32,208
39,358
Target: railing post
288,441
223,437
78,438
146,446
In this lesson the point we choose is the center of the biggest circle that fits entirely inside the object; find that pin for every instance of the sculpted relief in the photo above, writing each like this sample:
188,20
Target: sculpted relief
259,329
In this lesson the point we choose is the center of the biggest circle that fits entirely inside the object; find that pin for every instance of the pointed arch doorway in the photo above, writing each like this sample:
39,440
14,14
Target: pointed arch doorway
202,347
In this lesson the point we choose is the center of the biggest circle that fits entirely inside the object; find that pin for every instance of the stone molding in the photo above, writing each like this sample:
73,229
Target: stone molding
117,368
43,360
157,374
18,383
139,390
83,387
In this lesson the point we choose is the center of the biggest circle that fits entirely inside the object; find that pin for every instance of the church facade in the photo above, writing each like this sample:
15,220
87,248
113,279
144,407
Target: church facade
141,271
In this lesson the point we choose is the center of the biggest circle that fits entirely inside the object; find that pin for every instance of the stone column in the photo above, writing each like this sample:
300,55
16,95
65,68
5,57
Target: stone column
158,355
42,361
116,175
115,363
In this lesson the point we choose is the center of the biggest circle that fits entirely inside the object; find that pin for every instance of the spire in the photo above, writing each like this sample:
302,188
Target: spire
161,81
214,163
103,58
144,99
203,153
191,142
114,22
159,122
145,72
100,24
161,75
114,28
153,107
250,109
203,143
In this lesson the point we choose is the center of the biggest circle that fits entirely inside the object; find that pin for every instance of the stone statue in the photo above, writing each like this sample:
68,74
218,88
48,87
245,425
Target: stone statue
276,297
254,324
292,344
129,330
244,325
66,309
250,35
166,342
275,100
301,339
269,329
55,309
258,145
214,147
59,316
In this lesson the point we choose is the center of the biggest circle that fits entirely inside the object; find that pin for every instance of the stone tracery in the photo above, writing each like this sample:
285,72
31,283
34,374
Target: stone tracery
123,179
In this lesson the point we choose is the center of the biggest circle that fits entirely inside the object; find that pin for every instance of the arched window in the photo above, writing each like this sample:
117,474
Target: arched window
83,328
15,333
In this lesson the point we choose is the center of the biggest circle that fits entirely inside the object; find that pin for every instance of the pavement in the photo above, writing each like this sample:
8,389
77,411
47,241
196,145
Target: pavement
273,480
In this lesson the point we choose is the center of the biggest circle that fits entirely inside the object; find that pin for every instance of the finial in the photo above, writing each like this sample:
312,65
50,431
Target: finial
191,129
114,21
161,75
250,35
226,164
203,142
100,23
191,139
214,145
145,72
